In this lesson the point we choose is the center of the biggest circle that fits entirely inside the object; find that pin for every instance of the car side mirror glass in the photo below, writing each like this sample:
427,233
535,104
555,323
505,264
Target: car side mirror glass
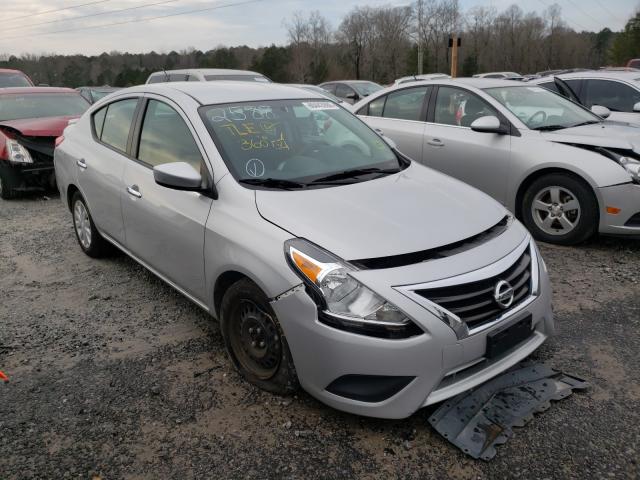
601,111
178,176
488,124
636,107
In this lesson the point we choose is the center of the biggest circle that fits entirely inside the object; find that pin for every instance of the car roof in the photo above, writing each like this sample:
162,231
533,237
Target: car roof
596,74
11,70
226,91
477,82
210,71
26,90
348,81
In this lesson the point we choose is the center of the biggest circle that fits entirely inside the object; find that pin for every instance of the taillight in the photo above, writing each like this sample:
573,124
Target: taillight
59,140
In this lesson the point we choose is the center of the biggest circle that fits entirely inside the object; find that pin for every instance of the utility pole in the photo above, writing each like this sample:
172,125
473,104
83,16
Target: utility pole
455,43
420,37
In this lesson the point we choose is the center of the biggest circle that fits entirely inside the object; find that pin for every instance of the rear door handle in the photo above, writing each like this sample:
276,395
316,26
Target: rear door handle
436,142
81,163
134,190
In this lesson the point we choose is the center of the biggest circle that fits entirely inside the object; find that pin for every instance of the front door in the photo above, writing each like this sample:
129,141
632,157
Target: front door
165,227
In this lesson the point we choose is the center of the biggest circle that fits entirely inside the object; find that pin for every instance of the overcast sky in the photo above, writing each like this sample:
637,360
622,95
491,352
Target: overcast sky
253,24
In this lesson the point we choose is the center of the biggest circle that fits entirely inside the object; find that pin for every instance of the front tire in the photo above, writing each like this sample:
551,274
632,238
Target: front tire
255,341
560,208
89,239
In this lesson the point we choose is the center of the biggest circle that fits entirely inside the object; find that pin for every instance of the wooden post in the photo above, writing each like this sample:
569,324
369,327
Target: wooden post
454,57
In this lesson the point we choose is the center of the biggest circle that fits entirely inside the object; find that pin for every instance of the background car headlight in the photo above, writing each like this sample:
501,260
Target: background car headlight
343,302
17,153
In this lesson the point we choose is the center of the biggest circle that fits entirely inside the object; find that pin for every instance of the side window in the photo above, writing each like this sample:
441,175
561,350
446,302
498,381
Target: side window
192,78
156,78
178,77
405,104
330,87
117,123
342,91
98,121
550,86
376,106
165,138
616,96
455,106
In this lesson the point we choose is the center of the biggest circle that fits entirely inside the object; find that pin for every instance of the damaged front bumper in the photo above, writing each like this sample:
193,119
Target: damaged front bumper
392,378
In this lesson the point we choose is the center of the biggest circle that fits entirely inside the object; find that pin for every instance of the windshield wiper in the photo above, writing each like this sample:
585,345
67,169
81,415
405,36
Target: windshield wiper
549,128
588,122
273,183
353,173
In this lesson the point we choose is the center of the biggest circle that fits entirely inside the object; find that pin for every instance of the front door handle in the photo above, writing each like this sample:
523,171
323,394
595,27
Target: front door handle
134,190
82,163
436,142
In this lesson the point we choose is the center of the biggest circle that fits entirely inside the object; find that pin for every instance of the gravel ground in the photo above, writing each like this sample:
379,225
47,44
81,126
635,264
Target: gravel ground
115,375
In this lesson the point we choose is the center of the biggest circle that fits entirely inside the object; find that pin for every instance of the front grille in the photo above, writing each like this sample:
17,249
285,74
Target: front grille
474,302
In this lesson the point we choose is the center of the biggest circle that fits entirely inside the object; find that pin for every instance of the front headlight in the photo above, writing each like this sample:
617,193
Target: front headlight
631,166
17,153
343,302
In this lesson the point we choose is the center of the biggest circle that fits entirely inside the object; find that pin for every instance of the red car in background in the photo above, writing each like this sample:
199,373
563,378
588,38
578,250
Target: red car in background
14,78
30,121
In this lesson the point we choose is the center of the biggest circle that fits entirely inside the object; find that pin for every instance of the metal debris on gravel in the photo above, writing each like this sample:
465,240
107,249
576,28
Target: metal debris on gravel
479,420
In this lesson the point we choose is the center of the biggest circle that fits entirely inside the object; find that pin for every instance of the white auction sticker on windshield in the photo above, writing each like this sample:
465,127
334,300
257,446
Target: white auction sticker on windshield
316,106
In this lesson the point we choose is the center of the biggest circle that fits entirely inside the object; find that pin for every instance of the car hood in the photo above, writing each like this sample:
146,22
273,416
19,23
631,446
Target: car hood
38,127
414,210
607,135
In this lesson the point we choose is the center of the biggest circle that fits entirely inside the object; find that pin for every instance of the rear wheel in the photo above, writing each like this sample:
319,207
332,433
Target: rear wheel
254,339
89,239
560,208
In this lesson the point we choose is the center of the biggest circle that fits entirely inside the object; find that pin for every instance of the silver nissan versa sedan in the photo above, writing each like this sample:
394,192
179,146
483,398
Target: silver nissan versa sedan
330,259
561,169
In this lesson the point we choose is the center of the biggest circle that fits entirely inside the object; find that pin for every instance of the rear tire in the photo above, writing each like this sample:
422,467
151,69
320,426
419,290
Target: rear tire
560,208
89,239
255,341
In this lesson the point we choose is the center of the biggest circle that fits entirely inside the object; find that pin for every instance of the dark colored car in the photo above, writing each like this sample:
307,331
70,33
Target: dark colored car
30,121
351,91
14,78
93,94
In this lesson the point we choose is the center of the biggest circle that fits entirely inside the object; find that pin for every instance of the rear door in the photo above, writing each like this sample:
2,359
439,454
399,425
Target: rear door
400,115
450,146
101,170
165,227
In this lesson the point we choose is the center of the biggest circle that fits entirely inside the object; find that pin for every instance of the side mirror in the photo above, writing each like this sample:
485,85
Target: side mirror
488,124
636,107
601,111
178,176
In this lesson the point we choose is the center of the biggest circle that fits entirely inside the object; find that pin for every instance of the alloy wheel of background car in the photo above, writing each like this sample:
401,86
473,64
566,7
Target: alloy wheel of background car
560,208
254,339
87,235
555,210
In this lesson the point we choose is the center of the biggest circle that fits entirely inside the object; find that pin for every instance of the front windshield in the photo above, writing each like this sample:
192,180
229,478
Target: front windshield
99,94
39,105
366,88
540,109
282,142
14,80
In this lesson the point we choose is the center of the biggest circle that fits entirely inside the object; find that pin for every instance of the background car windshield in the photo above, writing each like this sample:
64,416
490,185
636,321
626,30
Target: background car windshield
366,88
14,107
13,80
98,94
295,140
322,91
538,107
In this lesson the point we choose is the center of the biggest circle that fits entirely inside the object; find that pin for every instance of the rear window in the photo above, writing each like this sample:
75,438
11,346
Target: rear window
40,105
14,80
112,127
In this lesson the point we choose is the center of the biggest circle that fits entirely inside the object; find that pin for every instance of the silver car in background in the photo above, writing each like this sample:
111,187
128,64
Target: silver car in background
618,91
556,165
329,258
205,75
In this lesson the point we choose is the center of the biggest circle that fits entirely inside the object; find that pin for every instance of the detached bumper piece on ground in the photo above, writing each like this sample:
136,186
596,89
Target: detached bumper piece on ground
478,420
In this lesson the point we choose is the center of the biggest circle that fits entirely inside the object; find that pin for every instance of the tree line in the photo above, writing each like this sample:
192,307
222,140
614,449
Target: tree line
375,43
